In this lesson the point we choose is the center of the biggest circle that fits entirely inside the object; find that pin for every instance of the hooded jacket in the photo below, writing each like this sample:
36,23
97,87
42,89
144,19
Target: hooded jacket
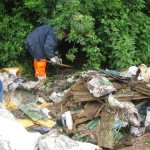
42,42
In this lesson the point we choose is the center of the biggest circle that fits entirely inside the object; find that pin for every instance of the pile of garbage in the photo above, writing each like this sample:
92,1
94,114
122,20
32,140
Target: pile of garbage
103,107
98,110
25,120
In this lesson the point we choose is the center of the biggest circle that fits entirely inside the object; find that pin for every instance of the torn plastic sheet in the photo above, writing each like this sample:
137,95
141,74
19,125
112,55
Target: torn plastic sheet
28,85
11,84
131,112
56,141
14,84
8,75
11,81
23,84
6,80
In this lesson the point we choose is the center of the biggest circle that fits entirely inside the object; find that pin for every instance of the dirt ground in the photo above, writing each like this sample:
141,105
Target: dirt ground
139,143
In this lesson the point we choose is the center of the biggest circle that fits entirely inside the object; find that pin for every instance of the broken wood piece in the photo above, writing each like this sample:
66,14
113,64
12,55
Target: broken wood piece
142,90
99,111
80,93
47,123
105,133
69,104
84,99
79,86
92,109
80,120
119,85
128,94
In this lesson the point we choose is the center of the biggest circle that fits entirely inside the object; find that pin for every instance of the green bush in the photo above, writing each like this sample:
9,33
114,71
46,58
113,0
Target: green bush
113,32
117,28
13,30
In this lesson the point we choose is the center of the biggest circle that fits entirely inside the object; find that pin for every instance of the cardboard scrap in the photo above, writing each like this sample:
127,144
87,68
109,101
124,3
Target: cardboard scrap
26,122
16,71
80,120
10,105
33,111
142,90
47,123
84,99
43,105
92,110
79,86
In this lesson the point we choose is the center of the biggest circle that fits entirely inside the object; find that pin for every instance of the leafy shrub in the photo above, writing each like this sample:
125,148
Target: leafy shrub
115,32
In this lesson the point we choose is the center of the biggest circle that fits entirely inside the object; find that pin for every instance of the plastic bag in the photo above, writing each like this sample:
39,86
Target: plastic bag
137,131
13,136
130,111
4,112
56,141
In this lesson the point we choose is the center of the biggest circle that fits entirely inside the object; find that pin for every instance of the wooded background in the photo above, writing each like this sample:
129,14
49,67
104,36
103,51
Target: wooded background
115,33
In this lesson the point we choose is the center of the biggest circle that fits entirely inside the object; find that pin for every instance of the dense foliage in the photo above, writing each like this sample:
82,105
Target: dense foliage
113,32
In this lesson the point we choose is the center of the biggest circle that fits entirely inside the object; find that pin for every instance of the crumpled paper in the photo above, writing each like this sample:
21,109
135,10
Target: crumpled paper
100,86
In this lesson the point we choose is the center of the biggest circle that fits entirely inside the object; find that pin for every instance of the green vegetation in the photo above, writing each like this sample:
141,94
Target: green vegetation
113,32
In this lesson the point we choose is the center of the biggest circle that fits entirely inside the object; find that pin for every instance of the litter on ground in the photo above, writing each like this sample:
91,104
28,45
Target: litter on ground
90,110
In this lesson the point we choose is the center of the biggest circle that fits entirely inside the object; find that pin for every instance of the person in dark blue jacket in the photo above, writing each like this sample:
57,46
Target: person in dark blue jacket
42,43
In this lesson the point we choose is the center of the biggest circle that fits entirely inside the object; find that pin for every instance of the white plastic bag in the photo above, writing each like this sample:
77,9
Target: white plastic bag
67,120
130,111
147,120
4,112
13,136
56,141
137,131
